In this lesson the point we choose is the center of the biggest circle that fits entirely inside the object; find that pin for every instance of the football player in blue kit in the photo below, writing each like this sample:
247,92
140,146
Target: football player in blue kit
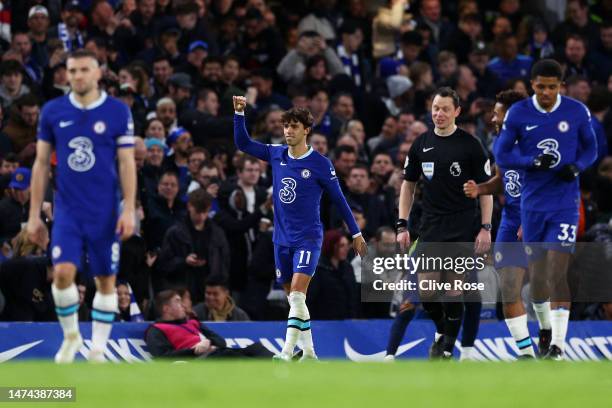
555,143
90,132
300,175
510,259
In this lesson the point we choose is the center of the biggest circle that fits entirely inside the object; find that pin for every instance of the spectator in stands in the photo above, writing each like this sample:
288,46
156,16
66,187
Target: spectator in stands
67,31
574,57
154,128
180,141
163,210
11,83
38,24
262,45
194,249
386,27
344,160
193,27
430,14
174,336
166,113
578,22
318,141
469,33
510,64
355,64
179,90
15,205
324,122
293,66
124,301
333,292
388,137
25,281
601,54
539,45
343,107
218,305
262,80
487,81
21,128
162,70
196,156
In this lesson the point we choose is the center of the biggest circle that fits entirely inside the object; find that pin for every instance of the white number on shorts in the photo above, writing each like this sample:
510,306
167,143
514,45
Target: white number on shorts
551,146
302,257
568,233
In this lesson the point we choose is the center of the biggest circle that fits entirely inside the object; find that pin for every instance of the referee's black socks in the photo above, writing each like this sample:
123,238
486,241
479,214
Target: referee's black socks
453,312
436,314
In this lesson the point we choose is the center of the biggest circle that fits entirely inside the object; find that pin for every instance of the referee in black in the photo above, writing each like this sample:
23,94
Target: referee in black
446,157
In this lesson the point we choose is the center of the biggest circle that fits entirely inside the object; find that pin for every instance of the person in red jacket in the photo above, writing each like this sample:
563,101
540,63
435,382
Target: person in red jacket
175,336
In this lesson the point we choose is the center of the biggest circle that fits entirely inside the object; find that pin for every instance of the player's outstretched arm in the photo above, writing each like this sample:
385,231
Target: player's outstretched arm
127,174
241,135
37,231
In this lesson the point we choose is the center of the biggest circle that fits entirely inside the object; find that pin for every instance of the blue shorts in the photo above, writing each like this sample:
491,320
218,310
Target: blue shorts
290,260
554,230
508,249
71,239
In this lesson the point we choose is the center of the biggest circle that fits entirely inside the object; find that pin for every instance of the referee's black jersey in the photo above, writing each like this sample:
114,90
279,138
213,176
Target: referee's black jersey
446,163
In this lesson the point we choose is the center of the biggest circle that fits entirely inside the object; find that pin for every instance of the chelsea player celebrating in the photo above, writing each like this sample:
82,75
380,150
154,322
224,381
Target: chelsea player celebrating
555,143
89,131
300,175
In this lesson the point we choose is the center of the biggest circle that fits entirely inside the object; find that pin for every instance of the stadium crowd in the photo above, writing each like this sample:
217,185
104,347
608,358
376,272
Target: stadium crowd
366,70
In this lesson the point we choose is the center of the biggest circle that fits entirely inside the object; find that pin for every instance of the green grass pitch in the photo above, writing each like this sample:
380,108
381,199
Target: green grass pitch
228,384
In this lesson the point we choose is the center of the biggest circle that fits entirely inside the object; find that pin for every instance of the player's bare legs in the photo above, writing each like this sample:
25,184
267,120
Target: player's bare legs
540,296
298,323
556,269
103,314
514,310
66,298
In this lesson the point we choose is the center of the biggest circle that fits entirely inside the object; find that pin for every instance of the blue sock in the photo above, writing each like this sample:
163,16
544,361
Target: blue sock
398,328
471,322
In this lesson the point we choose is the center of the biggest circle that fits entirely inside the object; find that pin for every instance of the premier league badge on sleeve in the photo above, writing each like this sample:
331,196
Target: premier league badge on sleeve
428,169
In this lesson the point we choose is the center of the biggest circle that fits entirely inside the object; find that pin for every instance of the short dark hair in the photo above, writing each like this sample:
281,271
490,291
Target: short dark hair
161,57
509,97
446,92
170,173
10,67
187,7
412,38
198,149
360,166
547,68
576,37
343,149
349,27
263,73
82,53
28,99
11,158
200,200
162,299
204,92
574,79
336,97
213,59
244,159
300,115
216,280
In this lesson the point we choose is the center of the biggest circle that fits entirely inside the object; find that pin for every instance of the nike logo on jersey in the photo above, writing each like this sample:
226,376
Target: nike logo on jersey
528,128
426,149
302,266
283,164
67,123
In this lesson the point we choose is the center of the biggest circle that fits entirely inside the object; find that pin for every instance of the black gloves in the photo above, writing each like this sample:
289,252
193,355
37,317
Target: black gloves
543,161
569,172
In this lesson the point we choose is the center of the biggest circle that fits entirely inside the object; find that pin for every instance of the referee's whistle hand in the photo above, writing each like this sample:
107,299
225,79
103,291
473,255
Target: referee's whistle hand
403,239
470,189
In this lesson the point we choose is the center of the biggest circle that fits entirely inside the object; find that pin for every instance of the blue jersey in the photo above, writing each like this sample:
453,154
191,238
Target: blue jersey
565,132
297,187
86,142
512,180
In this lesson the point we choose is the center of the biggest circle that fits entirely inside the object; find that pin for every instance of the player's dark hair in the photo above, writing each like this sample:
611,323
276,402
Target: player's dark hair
300,115
82,53
162,300
509,97
547,68
446,92
200,200
216,281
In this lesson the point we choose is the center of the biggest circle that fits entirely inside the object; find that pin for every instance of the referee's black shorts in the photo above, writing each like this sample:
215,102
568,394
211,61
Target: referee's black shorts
449,235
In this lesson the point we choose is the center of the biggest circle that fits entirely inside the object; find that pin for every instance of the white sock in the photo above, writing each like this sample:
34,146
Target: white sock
467,353
437,336
103,314
559,318
66,307
298,325
520,332
542,311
